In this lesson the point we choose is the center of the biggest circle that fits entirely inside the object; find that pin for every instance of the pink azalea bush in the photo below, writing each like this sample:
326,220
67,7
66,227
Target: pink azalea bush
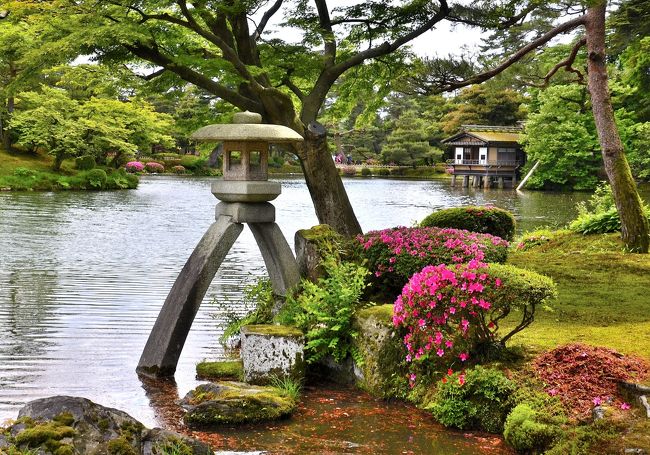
152,166
450,313
134,166
393,255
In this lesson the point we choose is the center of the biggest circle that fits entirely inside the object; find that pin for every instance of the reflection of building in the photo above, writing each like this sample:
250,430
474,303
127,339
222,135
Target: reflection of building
488,155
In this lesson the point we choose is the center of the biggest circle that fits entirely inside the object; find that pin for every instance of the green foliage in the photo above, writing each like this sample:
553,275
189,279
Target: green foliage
486,220
324,310
172,446
599,215
258,295
96,178
478,399
64,127
408,144
561,134
289,387
85,162
192,162
530,431
366,172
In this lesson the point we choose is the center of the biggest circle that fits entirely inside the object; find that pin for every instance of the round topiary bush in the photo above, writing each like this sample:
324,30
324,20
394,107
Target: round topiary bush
366,172
394,254
486,220
452,313
178,170
478,399
530,431
96,178
134,166
154,167
85,162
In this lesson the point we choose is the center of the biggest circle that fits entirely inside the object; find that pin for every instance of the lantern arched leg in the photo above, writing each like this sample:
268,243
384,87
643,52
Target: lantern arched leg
167,338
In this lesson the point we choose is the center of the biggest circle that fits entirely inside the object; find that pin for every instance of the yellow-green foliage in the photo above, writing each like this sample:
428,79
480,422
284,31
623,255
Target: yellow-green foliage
527,431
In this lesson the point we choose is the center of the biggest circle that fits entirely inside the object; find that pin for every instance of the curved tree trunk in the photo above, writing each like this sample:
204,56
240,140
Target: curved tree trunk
325,185
634,224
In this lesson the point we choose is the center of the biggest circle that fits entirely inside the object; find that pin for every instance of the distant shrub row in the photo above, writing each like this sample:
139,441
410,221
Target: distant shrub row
24,179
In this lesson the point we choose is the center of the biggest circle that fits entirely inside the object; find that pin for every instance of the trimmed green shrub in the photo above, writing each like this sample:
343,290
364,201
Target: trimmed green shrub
384,172
260,296
530,431
24,172
478,399
366,172
96,178
85,162
192,162
485,220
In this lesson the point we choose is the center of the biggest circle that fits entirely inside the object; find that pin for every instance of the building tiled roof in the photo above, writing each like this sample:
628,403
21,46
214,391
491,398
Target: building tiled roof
473,134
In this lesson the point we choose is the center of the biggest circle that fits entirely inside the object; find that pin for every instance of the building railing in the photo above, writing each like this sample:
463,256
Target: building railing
484,163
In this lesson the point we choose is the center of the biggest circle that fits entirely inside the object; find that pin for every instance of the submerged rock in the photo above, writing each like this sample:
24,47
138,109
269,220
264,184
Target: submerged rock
64,425
235,402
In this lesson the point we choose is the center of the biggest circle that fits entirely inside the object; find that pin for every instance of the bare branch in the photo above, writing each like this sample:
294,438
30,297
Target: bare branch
287,82
567,64
149,77
155,56
265,20
515,57
502,25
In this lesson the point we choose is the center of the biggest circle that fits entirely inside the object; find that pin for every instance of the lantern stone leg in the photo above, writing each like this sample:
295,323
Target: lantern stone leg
167,338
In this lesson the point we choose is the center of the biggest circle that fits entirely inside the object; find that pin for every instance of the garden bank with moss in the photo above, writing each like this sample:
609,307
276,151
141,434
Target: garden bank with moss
479,344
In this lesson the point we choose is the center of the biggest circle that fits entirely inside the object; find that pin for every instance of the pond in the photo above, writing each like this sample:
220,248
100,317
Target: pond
83,275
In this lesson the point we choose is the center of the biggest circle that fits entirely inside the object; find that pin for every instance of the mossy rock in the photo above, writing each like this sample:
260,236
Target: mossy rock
312,245
221,403
225,369
382,372
63,425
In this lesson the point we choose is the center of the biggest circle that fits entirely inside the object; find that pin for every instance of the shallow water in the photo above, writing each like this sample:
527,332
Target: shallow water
83,274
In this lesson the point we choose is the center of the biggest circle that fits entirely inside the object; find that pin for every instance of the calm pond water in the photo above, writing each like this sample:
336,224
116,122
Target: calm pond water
83,275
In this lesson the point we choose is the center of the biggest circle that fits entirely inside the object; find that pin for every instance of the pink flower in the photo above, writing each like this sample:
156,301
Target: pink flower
625,406
440,352
461,379
463,356
597,401
553,392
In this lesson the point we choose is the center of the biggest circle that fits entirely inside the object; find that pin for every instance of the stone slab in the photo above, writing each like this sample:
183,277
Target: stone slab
272,351
246,212
246,190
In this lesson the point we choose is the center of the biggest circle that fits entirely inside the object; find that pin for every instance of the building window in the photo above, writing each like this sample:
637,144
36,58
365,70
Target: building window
506,154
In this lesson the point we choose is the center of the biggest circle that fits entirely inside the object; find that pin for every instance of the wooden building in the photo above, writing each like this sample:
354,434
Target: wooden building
486,156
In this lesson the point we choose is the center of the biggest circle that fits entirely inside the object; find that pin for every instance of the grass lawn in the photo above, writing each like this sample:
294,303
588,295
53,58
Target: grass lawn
603,294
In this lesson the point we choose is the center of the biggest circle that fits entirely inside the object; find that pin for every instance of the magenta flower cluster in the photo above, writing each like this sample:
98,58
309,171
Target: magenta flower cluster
134,166
395,254
445,311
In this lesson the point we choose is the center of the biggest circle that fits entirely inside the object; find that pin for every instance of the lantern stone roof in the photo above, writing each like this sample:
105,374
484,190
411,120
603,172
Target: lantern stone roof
246,126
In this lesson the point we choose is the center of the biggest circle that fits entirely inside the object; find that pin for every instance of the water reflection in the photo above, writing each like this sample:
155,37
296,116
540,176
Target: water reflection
83,275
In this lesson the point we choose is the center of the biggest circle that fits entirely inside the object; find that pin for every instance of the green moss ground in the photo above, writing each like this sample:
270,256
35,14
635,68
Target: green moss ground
227,369
603,294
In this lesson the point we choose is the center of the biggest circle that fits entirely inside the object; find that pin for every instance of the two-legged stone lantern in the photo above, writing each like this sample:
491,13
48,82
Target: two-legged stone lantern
244,193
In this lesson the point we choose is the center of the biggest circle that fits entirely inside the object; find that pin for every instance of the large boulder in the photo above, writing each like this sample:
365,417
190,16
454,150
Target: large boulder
64,425
219,403
382,372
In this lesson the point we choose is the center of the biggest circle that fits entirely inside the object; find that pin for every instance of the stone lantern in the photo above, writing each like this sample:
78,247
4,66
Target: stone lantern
243,193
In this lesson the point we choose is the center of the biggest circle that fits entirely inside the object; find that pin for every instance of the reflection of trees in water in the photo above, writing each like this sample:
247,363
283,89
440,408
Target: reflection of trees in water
27,314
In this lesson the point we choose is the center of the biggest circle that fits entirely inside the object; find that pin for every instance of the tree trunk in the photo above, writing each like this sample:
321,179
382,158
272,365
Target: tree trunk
327,192
634,223
58,160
